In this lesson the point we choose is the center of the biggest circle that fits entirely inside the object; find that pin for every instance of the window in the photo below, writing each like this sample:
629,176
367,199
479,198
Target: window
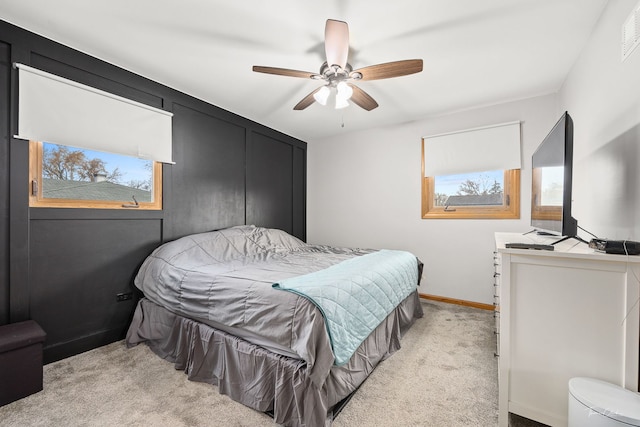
492,194
62,176
98,124
474,173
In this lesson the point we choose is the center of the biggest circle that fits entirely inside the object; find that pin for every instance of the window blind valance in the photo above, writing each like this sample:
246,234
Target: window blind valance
61,111
487,148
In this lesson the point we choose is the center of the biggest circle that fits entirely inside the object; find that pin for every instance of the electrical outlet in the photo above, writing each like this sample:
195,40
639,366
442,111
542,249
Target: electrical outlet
124,296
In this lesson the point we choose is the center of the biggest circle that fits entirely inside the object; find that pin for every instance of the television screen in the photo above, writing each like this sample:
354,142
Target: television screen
552,169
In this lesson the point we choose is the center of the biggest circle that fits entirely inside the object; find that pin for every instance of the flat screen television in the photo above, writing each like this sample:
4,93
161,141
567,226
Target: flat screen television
552,170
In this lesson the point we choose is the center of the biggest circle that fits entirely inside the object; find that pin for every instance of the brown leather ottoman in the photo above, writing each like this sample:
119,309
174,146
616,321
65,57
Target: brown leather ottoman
20,360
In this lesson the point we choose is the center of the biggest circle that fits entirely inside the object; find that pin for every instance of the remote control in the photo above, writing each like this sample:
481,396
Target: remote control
537,246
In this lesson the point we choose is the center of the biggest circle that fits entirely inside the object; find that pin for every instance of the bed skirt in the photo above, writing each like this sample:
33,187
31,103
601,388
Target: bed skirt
261,379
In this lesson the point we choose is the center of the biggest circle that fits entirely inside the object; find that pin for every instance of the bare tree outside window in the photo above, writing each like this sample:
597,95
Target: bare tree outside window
480,186
64,163
142,184
493,194
469,189
66,177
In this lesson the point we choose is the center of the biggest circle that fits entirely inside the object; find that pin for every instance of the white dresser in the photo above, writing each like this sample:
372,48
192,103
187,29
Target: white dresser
562,314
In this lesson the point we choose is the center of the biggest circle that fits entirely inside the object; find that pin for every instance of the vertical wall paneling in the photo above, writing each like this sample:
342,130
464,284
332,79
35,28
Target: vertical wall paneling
18,203
64,267
84,264
269,183
299,180
208,177
5,79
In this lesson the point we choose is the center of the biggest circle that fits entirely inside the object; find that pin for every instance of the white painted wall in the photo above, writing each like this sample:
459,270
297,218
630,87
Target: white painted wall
364,187
364,190
602,94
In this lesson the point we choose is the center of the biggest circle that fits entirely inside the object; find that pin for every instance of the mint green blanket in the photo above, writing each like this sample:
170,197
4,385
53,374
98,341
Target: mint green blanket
356,295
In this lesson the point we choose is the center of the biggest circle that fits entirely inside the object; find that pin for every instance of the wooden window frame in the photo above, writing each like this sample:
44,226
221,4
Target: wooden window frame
510,209
37,201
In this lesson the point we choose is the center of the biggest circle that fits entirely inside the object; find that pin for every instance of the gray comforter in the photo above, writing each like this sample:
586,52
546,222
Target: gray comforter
224,279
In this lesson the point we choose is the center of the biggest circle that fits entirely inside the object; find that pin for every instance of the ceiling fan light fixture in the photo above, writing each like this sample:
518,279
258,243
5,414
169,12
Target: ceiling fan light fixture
341,103
336,72
322,95
344,91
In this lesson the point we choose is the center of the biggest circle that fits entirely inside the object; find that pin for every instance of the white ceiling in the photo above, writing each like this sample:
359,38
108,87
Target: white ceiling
475,52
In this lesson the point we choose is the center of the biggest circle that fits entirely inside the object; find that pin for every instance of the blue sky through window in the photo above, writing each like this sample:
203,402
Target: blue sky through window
131,168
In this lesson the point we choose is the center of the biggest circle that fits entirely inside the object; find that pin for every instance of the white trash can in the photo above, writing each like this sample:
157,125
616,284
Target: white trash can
595,403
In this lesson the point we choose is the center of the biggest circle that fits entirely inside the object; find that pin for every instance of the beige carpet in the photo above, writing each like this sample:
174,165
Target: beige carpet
444,375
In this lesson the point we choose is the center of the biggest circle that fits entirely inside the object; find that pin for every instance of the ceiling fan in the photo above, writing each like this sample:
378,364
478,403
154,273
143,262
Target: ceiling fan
338,73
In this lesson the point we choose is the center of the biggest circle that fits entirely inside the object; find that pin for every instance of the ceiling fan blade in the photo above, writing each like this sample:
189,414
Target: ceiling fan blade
307,100
390,69
283,72
362,98
336,42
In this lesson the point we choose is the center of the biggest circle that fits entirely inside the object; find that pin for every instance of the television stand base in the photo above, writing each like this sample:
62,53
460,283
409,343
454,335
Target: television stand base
570,237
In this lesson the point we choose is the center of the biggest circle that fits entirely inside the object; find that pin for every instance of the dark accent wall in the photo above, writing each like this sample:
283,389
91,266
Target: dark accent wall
209,175
5,66
64,267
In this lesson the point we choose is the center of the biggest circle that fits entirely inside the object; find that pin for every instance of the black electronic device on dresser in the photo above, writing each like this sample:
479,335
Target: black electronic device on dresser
620,247
552,172
537,246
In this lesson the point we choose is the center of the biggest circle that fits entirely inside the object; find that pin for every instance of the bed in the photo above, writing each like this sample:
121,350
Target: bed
282,326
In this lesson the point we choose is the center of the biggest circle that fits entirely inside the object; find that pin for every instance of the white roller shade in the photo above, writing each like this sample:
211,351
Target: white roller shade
61,111
495,147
